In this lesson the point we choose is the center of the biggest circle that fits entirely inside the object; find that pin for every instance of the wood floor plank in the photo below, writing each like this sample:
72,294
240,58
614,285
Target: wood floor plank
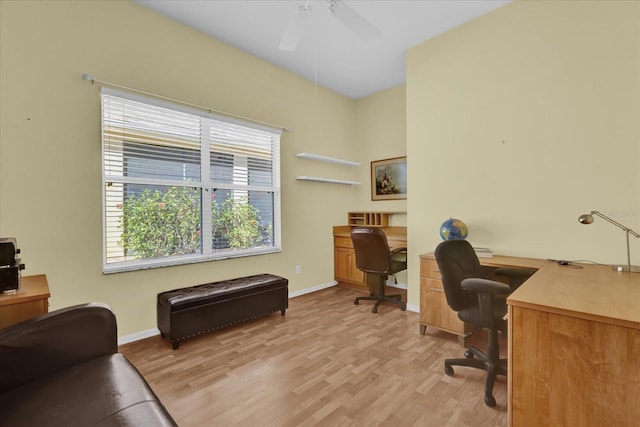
328,362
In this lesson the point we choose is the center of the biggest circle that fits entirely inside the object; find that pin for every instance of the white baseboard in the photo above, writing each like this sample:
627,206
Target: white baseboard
126,339
313,289
414,308
392,284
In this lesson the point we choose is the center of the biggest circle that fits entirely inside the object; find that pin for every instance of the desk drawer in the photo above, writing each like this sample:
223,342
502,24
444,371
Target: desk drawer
434,284
16,313
343,242
436,311
429,268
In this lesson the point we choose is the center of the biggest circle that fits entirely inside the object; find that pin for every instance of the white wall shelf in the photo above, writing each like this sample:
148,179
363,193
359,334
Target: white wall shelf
332,181
310,156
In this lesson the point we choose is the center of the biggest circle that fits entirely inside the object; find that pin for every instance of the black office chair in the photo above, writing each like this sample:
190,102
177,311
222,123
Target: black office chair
477,301
374,258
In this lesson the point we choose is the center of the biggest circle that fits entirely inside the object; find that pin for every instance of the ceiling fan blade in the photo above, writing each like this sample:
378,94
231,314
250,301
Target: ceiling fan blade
293,33
354,21
289,41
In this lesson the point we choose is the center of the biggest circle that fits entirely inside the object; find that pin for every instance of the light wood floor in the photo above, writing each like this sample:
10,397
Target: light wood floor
327,362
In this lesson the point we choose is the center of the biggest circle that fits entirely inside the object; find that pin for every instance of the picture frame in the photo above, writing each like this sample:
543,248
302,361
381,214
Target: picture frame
389,179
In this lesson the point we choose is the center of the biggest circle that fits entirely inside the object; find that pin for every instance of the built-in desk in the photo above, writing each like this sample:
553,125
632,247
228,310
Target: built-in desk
434,310
344,257
574,348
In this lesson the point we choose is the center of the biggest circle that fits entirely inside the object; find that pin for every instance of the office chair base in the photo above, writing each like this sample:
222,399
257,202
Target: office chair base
394,299
475,358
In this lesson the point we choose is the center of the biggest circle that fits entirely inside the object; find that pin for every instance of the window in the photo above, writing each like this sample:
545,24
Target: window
182,186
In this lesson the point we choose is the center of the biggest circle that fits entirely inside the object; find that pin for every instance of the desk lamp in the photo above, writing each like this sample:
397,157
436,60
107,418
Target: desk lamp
589,218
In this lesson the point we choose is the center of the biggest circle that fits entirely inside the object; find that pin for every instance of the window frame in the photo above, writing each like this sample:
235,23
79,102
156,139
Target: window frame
205,186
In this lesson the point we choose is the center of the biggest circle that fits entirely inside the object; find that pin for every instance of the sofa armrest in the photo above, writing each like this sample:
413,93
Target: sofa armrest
54,341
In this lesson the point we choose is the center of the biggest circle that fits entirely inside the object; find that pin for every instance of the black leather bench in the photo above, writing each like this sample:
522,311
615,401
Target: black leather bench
187,312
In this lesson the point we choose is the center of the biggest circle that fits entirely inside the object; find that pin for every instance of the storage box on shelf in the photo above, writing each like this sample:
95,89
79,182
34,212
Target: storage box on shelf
368,219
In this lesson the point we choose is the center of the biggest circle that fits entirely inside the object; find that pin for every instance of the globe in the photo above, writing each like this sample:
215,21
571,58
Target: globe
453,229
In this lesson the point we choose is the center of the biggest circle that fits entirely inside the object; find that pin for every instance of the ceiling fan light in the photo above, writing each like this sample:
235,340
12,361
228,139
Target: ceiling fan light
305,8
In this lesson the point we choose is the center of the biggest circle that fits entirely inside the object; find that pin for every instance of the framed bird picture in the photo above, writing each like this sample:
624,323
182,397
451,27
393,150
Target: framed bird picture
389,179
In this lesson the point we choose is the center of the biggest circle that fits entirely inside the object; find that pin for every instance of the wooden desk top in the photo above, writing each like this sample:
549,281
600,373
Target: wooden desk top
594,292
503,261
392,232
31,288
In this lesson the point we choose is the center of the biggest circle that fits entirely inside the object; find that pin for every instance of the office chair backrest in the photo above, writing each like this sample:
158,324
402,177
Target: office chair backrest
372,250
458,261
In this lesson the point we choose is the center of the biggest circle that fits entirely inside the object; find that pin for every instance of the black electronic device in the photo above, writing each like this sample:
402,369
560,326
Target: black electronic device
10,266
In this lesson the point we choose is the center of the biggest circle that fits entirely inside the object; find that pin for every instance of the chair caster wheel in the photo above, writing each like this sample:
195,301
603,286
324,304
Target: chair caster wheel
356,302
448,370
490,401
468,354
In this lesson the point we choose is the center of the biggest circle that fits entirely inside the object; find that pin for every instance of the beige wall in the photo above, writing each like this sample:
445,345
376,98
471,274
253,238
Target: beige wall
381,134
381,121
516,123
522,120
50,165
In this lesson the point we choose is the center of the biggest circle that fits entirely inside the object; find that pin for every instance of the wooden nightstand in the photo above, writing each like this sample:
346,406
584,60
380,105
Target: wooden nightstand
31,300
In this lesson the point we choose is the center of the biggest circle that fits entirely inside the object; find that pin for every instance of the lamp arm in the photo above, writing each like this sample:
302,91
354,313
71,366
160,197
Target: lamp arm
617,224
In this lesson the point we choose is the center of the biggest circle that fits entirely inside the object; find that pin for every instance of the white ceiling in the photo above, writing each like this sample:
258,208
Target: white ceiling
328,53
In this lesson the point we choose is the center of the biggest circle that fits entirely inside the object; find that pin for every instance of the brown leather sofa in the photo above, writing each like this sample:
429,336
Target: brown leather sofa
63,369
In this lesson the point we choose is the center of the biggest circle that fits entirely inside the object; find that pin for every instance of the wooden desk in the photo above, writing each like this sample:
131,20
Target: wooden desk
31,299
344,258
574,344
434,310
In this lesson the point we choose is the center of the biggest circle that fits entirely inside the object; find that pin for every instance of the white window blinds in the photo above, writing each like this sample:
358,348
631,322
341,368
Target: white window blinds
182,185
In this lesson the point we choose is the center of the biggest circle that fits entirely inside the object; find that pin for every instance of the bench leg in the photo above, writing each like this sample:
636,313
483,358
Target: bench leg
282,310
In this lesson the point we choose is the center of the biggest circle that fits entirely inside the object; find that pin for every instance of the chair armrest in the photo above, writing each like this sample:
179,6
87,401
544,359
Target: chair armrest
489,294
485,286
55,341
